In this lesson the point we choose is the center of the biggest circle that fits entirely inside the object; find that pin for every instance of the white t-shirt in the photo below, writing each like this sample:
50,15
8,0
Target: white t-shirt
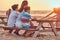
18,21
12,18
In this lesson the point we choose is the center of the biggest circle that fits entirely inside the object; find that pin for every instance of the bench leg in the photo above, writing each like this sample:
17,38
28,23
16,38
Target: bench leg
37,32
53,28
43,26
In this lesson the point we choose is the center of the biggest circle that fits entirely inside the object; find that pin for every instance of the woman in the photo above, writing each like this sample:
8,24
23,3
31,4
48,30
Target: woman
21,10
18,22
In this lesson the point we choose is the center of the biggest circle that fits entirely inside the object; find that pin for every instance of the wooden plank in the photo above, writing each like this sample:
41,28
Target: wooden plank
53,28
58,29
51,17
3,22
45,20
14,28
37,32
47,15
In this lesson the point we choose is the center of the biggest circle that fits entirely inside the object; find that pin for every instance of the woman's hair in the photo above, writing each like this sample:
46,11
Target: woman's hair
14,6
24,3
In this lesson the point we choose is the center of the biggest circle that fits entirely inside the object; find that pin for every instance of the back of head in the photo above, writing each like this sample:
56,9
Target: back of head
14,6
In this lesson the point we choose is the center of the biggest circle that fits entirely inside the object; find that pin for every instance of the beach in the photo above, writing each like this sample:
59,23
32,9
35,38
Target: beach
43,35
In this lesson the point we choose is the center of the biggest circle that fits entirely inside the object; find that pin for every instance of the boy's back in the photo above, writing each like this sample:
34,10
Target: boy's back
12,18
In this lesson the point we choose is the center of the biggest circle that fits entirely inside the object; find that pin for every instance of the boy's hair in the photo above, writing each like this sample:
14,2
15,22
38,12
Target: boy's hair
26,8
14,6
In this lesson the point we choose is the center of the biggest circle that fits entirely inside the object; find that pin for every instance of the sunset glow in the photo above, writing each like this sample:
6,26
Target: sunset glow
34,4
55,3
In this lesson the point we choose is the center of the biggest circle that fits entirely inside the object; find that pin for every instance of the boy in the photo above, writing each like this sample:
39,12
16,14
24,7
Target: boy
12,17
26,18
26,21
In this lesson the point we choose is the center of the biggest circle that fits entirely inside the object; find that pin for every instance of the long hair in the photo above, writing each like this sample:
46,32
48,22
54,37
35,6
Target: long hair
24,3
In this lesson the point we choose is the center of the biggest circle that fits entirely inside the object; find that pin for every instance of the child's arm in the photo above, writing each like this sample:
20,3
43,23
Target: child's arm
31,23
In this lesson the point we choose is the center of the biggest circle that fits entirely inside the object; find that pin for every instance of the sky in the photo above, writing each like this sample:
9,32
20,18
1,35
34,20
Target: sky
34,4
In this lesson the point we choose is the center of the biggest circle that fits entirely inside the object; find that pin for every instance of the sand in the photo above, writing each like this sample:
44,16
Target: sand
44,36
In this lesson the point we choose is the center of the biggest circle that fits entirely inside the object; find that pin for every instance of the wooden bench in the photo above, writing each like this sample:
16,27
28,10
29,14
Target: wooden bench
10,28
32,30
51,24
2,17
37,29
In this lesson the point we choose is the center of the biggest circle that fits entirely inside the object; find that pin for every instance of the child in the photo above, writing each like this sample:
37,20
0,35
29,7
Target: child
25,18
26,21
12,17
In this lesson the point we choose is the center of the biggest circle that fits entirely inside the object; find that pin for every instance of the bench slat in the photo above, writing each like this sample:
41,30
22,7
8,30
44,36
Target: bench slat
10,28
